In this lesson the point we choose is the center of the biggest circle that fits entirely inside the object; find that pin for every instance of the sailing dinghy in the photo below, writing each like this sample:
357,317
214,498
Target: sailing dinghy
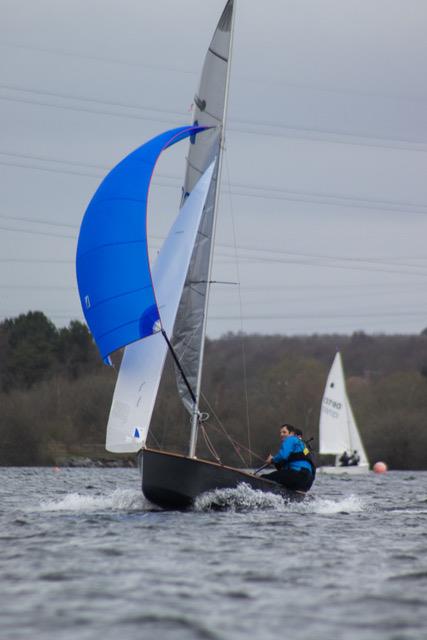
148,311
338,432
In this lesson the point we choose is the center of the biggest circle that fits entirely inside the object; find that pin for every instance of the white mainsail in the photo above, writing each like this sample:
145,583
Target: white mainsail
143,361
337,429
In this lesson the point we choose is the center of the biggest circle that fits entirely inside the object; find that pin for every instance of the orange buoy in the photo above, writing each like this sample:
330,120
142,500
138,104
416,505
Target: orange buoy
380,467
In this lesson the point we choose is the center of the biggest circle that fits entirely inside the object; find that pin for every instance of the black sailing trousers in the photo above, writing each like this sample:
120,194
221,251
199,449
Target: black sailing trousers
298,480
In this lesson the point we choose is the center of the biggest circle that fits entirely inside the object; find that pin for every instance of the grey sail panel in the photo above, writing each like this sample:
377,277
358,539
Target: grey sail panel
209,109
188,333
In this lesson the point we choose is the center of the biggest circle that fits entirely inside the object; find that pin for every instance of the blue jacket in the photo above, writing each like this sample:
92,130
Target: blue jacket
291,444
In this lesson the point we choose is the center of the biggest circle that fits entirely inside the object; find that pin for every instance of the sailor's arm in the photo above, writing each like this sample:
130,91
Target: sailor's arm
283,454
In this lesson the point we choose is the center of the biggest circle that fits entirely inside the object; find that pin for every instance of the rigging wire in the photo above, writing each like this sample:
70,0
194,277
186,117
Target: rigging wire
156,442
222,429
239,294
209,444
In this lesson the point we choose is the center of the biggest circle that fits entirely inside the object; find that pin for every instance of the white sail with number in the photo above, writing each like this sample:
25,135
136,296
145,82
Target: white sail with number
338,432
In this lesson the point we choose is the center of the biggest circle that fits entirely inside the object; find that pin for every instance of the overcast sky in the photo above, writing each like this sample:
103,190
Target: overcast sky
324,191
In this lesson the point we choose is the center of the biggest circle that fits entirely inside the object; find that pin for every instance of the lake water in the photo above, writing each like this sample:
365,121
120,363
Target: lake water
84,556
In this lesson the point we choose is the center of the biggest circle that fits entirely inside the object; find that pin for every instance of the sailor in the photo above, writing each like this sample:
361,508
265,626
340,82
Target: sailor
354,459
295,467
345,459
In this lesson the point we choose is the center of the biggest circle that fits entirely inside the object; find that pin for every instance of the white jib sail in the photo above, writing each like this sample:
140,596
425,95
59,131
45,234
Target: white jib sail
143,361
334,434
355,440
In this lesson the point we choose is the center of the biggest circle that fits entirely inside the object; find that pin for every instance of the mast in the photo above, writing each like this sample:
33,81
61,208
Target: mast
196,413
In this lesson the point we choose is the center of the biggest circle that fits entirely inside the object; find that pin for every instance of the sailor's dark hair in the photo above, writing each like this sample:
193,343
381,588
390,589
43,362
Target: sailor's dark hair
291,428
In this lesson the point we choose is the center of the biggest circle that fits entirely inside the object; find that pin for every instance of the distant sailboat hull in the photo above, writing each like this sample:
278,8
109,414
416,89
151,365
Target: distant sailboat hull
355,470
173,481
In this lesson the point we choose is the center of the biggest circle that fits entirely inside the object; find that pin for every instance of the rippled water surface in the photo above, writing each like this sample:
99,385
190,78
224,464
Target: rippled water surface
84,556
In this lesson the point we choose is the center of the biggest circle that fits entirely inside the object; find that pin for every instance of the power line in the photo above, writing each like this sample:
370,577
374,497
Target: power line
30,156
38,233
316,263
323,316
38,287
270,316
92,111
250,79
270,294
74,54
85,174
281,260
282,130
37,221
37,260
316,256
253,127
109,103
326,198
258,191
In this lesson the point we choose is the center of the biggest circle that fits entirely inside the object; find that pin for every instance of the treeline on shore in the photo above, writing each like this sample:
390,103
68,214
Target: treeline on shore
55,395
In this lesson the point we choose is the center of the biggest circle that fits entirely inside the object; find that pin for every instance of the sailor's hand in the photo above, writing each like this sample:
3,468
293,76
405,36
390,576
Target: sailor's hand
269,459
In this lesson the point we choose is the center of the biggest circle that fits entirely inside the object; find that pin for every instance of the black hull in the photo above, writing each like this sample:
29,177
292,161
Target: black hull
172,481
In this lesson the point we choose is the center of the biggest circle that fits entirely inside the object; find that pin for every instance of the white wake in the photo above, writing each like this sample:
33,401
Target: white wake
244,498
118,500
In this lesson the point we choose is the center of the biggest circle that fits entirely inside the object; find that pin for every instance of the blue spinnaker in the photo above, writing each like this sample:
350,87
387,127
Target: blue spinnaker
113,269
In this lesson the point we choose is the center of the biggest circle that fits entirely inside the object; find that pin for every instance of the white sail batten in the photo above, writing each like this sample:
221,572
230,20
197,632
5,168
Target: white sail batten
338,431
143,361
210,105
